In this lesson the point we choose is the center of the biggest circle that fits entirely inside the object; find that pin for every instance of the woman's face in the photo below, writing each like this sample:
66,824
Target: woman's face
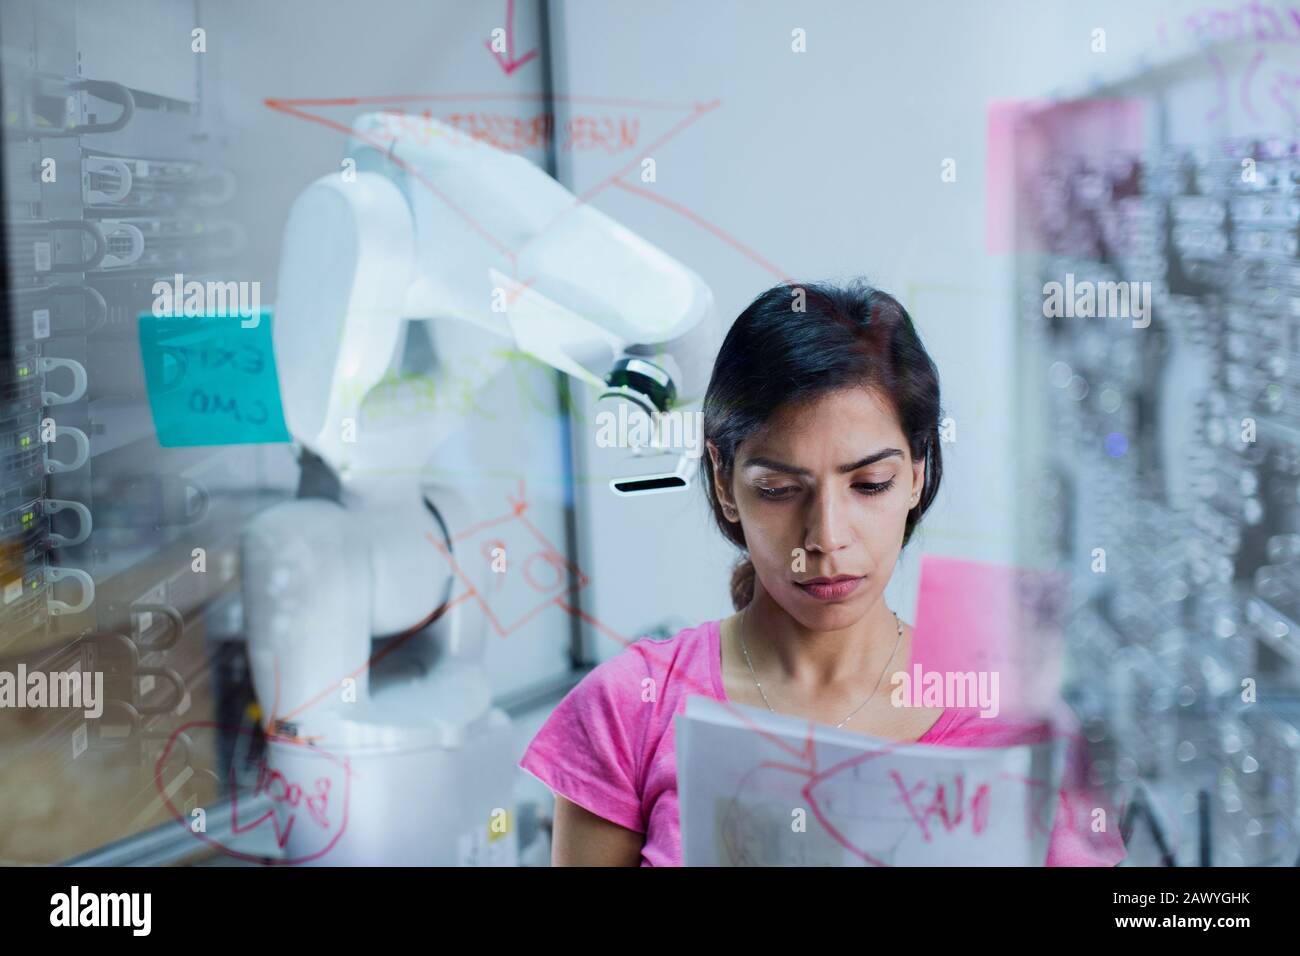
822,493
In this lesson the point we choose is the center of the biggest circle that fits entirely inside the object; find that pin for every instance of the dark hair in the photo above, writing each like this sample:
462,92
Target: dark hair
776,355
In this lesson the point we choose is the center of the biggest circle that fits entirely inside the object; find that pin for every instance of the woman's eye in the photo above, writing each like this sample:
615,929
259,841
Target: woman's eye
875,487
776,493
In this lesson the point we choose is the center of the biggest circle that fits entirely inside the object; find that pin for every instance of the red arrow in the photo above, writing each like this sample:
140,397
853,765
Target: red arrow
508,62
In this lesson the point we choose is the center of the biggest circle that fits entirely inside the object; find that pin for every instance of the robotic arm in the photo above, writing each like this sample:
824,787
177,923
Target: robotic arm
493,256
442,227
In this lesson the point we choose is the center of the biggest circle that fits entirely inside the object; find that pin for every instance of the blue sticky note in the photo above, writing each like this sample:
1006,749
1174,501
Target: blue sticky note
212,380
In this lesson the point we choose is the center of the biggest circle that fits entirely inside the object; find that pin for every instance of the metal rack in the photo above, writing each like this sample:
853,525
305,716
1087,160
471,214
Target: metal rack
1174,450
107,188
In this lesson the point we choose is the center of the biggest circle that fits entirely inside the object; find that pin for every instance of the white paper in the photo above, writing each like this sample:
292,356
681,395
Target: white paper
760,789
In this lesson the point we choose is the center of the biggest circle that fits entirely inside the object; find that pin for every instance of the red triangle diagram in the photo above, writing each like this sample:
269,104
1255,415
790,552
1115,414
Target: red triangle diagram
624,130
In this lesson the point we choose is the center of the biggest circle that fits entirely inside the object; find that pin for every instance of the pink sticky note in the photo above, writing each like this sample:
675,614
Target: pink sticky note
991,619
1023,136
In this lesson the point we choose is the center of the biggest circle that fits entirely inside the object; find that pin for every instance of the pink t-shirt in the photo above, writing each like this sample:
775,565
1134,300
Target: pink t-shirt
608,747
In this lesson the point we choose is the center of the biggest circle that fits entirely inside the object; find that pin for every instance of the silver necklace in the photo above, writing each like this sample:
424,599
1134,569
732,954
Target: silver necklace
749,664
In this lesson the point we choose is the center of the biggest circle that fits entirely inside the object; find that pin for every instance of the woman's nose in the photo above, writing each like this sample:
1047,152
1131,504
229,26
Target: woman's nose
826,529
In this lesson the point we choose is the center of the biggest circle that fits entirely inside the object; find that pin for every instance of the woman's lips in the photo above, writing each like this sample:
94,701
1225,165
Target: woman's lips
833,589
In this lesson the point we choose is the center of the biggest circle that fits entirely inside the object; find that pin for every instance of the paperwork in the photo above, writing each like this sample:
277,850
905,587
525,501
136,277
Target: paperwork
761,789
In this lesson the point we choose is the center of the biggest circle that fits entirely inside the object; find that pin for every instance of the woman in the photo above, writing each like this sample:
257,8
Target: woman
821,422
